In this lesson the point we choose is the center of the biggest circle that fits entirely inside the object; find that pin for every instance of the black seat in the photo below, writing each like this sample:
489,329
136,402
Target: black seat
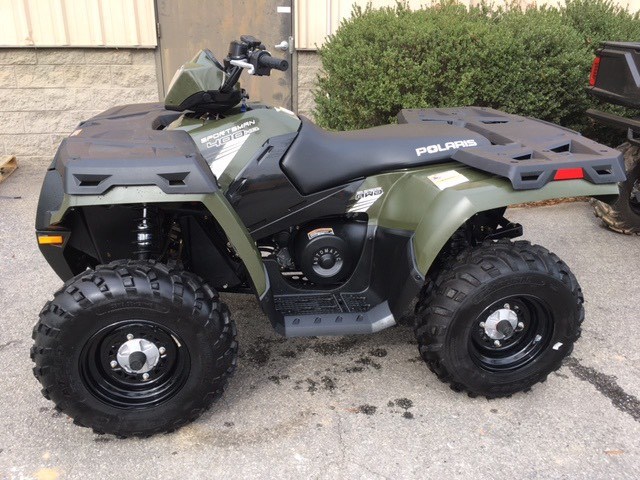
319,159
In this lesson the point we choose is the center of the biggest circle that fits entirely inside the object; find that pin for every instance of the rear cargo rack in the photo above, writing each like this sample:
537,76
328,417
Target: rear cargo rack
528,152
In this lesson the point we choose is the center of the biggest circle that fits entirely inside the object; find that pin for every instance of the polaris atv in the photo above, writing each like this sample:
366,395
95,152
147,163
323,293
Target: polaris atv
148,211
615,78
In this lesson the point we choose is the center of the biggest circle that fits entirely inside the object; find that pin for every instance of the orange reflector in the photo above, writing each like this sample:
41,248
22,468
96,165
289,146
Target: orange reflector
594,72
569,174
50,239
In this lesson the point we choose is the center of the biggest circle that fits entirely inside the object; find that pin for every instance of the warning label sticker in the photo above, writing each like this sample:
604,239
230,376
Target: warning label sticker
447,179
320,231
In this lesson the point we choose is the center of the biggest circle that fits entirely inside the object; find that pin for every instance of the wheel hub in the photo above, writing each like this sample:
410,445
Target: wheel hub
501,324
138,356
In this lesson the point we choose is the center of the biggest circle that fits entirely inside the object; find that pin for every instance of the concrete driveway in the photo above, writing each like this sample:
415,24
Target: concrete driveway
353,407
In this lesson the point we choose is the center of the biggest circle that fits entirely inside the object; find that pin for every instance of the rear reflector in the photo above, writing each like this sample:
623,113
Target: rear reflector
594,72
569,174
50,240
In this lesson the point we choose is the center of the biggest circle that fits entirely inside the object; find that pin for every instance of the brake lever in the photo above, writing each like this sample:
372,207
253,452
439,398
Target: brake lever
242,64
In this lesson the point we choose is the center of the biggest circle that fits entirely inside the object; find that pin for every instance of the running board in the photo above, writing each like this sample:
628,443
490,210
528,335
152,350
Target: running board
374,320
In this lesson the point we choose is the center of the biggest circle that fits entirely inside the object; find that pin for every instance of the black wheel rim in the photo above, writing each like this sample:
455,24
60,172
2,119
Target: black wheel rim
524,346
118,388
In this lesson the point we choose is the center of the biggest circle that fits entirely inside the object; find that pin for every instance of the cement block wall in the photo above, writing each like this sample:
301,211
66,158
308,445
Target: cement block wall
45,93
309,66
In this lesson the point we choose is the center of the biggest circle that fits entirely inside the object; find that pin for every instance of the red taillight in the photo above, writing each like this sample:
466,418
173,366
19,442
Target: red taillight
594,72
569,174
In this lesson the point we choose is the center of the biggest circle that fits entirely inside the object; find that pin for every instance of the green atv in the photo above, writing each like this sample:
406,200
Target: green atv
615,78
148,211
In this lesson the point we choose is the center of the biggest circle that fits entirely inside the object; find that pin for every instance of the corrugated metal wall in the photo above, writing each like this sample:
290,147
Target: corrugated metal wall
77,23
315,19
132,23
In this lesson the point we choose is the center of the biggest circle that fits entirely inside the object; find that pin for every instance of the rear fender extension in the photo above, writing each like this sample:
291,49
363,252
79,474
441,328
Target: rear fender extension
414,202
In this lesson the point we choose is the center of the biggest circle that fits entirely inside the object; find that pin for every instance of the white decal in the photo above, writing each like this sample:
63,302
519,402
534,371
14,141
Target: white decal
283,9
447,179
220,138
365,199
447,146
557,346
226,154
228,141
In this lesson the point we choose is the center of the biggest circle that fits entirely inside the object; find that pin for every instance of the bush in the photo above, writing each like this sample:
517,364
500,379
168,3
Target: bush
601,20
532,62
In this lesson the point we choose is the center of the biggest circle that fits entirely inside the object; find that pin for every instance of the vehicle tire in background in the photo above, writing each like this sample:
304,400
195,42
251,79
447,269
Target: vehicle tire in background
623,216
134,348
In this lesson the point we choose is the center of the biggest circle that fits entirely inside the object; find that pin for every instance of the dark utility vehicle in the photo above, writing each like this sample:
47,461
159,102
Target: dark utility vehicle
615,78
148,211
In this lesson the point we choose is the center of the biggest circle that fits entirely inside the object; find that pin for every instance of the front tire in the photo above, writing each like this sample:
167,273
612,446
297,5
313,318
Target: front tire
134,348
499,319
623,215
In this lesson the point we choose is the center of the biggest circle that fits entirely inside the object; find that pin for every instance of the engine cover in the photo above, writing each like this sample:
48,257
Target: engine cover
327,252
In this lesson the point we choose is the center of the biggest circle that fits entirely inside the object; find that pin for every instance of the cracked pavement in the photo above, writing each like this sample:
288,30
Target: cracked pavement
351,407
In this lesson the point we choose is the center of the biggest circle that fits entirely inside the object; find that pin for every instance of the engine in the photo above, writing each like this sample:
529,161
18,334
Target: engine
327,251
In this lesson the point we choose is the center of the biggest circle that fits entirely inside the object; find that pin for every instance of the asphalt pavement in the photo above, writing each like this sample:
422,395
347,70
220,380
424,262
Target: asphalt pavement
349,407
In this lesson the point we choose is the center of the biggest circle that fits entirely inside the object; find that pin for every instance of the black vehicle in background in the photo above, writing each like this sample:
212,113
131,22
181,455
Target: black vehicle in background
615,78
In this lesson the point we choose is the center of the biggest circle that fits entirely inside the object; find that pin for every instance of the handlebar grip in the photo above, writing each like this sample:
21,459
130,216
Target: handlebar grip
268,61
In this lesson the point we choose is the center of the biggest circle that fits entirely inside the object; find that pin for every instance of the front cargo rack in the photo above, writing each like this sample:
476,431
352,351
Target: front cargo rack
527,151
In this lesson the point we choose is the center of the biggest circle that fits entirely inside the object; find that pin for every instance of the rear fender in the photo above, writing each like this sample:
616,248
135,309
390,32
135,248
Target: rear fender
215,202
413,201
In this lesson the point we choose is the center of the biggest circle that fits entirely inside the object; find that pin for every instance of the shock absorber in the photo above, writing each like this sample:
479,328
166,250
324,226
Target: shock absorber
144,232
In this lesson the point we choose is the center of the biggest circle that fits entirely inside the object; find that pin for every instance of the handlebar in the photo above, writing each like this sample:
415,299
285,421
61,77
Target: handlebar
267,61
249,53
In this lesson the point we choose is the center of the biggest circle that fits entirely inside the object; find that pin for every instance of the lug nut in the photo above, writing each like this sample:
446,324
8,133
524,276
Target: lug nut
162,350
497,343
130,336
113,364
145,376
507,306
520,325
482,324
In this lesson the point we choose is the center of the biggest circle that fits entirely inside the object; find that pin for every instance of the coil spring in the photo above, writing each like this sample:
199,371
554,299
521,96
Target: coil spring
144,233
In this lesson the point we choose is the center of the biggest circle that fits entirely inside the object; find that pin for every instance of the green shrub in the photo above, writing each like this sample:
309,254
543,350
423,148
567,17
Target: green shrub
601,20
532,62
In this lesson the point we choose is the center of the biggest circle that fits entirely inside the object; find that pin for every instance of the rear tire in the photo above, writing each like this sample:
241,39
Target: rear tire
518,280
80,337
623,216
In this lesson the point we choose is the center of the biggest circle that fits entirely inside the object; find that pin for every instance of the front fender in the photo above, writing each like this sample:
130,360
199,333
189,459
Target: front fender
215,202
414,202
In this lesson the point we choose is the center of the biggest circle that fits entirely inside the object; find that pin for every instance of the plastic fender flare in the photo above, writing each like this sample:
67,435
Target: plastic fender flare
444,211
215,202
